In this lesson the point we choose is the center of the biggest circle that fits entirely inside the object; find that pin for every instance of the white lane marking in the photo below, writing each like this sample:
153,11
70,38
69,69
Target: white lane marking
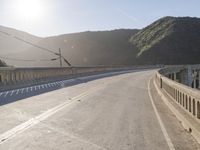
1,93
162,126
17,92
6,93
12,93
49,85
31,89
22,91
36,120
26,89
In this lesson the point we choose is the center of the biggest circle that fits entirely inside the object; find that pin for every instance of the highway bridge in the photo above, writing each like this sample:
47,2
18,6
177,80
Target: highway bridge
122,108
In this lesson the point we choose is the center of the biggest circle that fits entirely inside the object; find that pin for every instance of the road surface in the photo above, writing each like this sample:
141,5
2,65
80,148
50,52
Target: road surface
121,112
22,93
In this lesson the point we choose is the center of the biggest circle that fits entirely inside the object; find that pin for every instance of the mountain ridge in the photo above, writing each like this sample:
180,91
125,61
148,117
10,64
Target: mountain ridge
169,40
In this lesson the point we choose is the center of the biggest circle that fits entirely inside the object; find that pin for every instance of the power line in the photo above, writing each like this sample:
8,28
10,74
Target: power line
34,45
30,60
37,46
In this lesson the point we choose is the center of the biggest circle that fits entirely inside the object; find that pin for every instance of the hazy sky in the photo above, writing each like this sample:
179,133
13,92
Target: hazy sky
53,17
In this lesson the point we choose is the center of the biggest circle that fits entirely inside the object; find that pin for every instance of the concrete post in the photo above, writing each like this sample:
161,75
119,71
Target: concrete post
175,76
189,76
199,79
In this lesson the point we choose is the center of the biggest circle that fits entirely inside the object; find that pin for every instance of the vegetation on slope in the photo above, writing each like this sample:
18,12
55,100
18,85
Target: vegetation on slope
2,64
170,40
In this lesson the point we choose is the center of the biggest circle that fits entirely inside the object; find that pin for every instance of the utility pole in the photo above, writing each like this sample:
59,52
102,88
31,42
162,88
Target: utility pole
60,57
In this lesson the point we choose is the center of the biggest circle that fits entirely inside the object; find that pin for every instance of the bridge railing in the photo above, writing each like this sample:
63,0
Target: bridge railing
186,97
10,76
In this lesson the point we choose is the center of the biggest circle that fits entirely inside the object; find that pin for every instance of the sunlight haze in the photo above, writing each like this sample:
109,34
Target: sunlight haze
53,17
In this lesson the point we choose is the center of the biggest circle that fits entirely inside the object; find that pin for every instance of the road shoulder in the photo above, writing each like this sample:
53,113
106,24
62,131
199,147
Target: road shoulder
181,138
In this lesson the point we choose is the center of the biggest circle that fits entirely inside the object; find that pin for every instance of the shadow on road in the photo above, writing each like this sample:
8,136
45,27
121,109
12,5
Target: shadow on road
20,94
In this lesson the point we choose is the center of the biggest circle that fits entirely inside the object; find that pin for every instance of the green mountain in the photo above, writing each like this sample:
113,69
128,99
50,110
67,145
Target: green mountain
170,40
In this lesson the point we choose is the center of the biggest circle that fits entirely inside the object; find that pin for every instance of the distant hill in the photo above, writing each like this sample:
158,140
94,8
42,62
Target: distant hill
12,46
81,49
94,48
170,40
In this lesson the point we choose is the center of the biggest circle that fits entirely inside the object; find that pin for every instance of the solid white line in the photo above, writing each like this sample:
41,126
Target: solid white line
164,131
36,120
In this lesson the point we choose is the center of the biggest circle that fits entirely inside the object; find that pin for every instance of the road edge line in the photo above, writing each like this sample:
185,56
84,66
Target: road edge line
185,123
162,126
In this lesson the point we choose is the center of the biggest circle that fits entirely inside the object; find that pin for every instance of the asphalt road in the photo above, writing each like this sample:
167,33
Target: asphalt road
22,93
120,112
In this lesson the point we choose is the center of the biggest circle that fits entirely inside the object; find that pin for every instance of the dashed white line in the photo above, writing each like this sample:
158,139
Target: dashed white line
12,93
6,93
22,91
17,92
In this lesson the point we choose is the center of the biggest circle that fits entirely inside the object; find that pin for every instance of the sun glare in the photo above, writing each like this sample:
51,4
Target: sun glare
29,9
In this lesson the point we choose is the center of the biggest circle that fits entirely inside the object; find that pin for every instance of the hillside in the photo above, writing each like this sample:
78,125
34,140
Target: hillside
94,48
81,49
12,46
170,40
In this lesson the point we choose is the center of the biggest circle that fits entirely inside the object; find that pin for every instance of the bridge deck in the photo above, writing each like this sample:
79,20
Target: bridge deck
113,113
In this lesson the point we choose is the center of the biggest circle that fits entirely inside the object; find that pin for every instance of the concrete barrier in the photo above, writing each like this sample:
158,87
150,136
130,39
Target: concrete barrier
18,77
186,97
